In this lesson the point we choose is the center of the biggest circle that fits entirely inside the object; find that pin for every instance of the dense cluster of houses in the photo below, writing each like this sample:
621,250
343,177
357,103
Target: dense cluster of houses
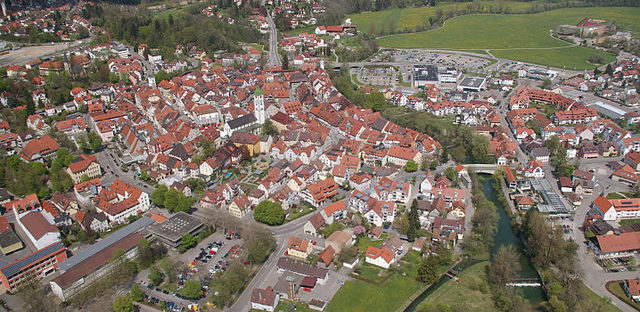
22,20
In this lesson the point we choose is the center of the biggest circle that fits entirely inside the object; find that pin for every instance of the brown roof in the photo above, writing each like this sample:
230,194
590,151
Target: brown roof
297,243
317,220
340,237
326,256
96,261
82,163
628,241
264,296
37,225
43,146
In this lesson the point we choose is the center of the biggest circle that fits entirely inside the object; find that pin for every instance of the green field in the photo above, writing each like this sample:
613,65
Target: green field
409,18
356,295
472,293
494,31
569,58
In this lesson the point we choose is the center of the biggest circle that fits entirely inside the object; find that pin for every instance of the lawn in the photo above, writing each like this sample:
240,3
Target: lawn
616,289
629,222
307,29
409,18
570,58
472,293
490,32
356,295
299,211
364,242
283,306
615,195
372,273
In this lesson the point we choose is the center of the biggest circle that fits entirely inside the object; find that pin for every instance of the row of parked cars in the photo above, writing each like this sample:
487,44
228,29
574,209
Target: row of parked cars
206,254
169,305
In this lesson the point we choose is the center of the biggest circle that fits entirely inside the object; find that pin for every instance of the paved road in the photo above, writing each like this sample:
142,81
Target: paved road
110,163
274,56
282,234
25,54
594,276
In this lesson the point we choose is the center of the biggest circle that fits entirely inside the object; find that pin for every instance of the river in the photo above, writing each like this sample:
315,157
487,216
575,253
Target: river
504,236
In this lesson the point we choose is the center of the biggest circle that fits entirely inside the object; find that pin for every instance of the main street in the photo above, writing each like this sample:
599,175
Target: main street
594,276
281,234
274,57
111,171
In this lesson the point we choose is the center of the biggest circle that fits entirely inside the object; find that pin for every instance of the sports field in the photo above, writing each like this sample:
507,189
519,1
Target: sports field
408,18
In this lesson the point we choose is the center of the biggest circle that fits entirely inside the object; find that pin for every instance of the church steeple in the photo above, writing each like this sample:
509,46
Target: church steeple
258,105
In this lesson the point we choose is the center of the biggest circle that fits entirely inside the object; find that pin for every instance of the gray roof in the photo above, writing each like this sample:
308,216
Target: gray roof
15,267
174,227
472,82
425,73
242,121
105,242
8,238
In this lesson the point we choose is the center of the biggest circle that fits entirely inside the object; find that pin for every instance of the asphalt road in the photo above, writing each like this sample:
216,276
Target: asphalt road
274,56
110,163
282,233
594,276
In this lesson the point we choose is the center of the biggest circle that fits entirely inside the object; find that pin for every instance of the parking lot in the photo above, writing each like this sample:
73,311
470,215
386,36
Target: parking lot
378,76
198,264
459,61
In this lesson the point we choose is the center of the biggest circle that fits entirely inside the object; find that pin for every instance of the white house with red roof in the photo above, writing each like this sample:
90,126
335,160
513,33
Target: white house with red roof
388,190
120,201
381,212
335,211
533,169
382,257
40,232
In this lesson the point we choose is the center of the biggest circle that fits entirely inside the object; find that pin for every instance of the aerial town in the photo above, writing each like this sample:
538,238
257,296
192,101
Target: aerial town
319,155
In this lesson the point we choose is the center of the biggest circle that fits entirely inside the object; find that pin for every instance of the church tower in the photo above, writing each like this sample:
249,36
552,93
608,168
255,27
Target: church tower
258,105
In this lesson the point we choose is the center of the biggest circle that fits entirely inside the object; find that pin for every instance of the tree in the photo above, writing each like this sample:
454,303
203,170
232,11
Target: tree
609,70
411,166
136,293
171,198
450,173
504,265
188,240
414,221
595,58
94,141
546,83
285,61
269,213
268,128
155,277
428,270
157,197
347,254
122,304
359,230
555,304
191,289
259,244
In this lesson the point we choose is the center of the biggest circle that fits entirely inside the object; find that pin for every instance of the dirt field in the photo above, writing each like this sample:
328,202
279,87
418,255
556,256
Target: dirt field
26,54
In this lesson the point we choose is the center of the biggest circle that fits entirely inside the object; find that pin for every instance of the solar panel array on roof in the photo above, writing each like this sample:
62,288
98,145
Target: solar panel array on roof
105,242
15,267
